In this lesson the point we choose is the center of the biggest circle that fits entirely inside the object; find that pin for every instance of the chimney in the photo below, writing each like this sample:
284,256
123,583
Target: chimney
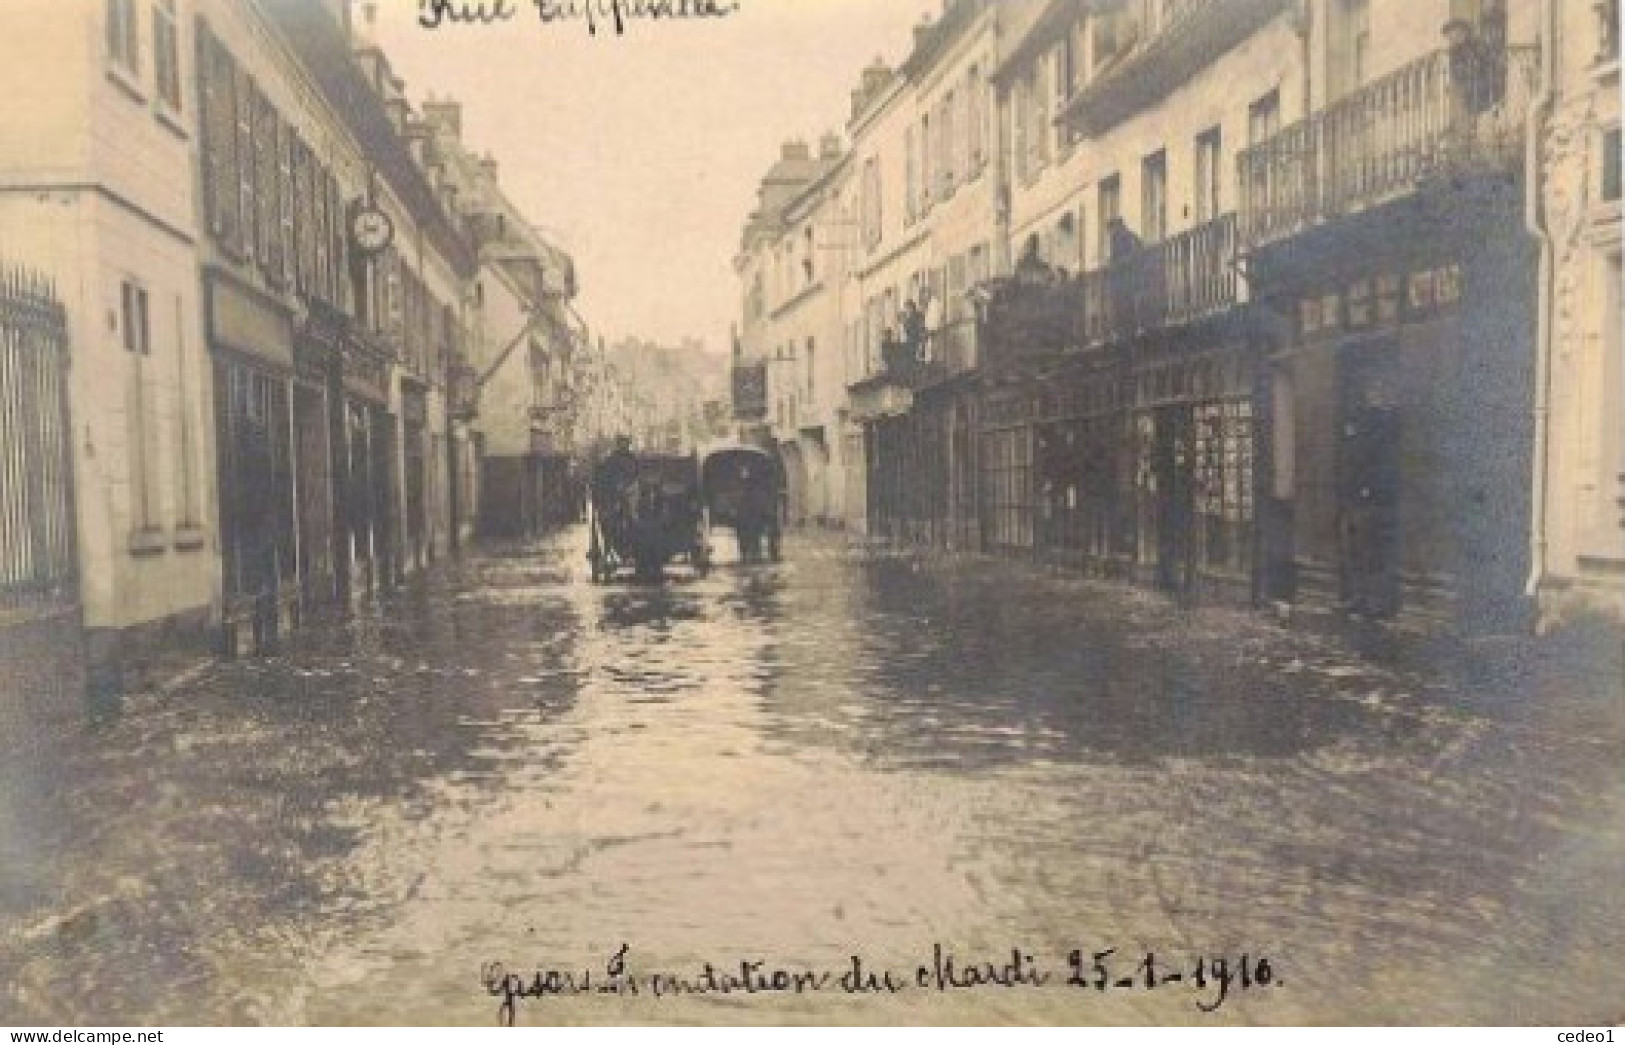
922,32
830,147
445,115
796,149
397,109
366,27
875,78
417,140
488,167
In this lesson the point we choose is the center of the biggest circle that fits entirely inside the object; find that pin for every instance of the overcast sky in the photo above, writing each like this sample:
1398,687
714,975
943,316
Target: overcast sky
641,153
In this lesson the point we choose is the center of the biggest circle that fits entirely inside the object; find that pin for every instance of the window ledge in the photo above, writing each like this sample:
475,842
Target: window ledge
1605,223
147,541
170,118
189,537
126,81
1606,69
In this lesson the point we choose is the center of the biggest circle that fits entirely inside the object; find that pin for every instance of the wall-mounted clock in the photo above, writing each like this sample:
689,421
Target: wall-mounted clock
371,231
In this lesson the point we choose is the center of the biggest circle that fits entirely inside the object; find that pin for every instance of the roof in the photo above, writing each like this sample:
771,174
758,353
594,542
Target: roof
323,47
1045,21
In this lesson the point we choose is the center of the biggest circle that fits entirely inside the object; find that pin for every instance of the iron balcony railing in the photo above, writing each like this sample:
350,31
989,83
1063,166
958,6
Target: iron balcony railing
1183,279
954,347
950,350
1448,112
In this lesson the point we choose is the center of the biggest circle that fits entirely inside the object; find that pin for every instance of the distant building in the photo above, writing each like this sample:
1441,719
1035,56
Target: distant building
526,338
790,372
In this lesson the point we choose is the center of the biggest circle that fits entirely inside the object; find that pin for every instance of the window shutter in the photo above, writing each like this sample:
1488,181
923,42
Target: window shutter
247,241
265,184
208,132
285,183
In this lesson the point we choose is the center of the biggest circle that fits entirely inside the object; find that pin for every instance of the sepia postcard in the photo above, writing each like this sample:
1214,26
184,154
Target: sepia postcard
520,513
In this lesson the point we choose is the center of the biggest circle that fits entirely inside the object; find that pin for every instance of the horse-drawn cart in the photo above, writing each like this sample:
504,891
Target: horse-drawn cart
644,513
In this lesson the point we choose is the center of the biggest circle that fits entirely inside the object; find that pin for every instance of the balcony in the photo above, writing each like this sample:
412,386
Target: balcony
1448,114
1182,280
750,391
1155,60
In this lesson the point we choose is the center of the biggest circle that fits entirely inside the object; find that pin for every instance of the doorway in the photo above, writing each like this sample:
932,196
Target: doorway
1369,449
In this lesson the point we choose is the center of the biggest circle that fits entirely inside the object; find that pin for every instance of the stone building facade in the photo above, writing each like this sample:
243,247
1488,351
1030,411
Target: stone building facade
1578,540
95,148
1274,306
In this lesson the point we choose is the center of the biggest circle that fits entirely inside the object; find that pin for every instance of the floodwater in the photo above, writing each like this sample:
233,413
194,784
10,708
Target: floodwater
851,755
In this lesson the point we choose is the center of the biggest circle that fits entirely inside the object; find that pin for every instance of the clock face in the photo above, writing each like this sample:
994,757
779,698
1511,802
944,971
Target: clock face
372,230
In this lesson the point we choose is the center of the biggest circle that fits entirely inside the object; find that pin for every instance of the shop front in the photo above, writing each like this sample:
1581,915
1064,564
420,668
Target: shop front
251,340
1405,380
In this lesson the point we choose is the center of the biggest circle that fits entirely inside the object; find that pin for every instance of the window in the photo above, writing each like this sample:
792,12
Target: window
981,267
911,174
166,54
1066,242
1264,118
871,203
1041,113
945,136
136,324
337,259
266,186
1607,13
183,408
1610,165
136,328
812,370
1205,192
975,129
1110,209
927,167
1350,45
1104,31
1263,123
222,185
245,166
286,202
1065,74
1020,114
1154,197
123,36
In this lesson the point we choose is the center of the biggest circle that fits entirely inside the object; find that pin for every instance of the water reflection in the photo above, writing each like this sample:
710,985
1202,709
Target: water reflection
796,761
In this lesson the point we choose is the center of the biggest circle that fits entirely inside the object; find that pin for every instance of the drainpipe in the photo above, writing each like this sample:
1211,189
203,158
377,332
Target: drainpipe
1535,222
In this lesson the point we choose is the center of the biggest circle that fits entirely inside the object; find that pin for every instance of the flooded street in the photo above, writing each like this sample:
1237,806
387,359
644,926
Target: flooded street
846,754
